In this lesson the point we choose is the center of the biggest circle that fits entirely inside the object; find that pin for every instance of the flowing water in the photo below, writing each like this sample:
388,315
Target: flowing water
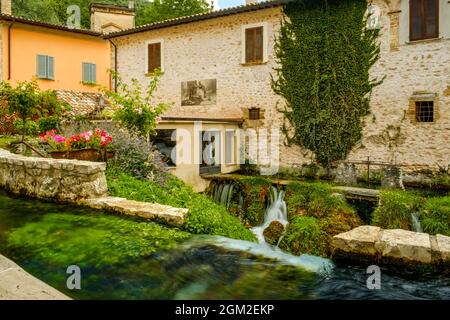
415,222
203,267
276,211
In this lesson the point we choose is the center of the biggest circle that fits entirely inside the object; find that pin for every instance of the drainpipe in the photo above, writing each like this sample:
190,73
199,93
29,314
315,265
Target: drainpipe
115,63
9,50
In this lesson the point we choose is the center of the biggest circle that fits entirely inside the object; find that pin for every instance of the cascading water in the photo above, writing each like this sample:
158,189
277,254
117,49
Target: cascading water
276,211
415,222
223,194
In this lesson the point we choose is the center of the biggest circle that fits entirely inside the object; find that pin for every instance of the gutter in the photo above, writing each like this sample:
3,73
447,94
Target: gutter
115,63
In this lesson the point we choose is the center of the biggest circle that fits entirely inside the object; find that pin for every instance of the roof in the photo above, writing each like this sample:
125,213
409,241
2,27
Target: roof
6,17
83,103
199,17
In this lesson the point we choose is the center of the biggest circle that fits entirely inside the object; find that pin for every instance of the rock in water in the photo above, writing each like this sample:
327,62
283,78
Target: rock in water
273,232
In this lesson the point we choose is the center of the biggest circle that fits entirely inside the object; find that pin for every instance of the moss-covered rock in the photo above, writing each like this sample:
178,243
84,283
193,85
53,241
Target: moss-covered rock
255,190
273,232
305,235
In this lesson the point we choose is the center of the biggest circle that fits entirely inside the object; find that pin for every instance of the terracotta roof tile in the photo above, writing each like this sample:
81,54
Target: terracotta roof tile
88,104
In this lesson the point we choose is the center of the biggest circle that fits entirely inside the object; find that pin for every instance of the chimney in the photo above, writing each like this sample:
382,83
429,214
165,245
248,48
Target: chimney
131,4
108,18
249,2
6,7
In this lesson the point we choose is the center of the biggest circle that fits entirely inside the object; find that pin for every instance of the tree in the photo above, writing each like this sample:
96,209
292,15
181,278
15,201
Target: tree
27,101
133,107
55,11
325,53
160,10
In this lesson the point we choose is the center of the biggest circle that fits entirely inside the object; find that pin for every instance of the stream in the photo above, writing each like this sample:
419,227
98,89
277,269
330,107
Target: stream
203,267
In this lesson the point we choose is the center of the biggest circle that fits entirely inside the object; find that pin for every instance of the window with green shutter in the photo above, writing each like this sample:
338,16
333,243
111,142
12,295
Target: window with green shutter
89,73
45,67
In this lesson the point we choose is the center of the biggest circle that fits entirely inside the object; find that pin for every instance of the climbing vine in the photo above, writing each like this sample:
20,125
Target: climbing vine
325,52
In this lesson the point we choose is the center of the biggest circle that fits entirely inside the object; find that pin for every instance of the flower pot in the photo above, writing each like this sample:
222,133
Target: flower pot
58,154
84,154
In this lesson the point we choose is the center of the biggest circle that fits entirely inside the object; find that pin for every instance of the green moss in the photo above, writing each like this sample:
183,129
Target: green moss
305,235
255,190
5,141
91,240
395,208
313,199
205,216
435,216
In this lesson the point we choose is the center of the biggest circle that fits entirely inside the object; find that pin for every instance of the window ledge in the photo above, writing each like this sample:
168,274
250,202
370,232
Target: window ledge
424,40
152,74
89,83
48,79
250,64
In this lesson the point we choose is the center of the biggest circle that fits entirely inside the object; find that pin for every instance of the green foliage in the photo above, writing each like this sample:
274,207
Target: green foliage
49,123
304,235
313,199
91,240
325,53
255,191
395,209
133,107
205,216
435,216
28,101
55,11
32,128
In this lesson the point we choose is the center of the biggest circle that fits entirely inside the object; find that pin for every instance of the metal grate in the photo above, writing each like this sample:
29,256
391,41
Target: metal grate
424,111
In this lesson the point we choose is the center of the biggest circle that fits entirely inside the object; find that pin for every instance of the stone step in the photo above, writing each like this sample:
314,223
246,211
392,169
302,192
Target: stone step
398,246
151,211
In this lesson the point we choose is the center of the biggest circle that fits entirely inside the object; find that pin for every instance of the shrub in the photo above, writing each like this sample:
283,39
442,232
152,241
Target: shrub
49,123
435,216
313,199
304,235
205,216
395,209
255,190
32,128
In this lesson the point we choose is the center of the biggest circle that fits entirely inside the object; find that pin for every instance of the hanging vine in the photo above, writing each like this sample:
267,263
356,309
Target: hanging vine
325,52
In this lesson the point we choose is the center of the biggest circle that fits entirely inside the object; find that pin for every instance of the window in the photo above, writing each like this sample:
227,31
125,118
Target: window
45,67
165,142
254,114
89,73
255,43
425,111
424,19
154,57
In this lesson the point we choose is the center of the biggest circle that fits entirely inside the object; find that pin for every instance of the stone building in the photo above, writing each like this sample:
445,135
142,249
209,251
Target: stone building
410,120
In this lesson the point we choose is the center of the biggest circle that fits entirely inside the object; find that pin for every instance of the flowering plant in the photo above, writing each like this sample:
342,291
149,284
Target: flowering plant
95,139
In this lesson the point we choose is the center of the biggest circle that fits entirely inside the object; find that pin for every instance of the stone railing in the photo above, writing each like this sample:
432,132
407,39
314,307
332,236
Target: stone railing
392,246
62,180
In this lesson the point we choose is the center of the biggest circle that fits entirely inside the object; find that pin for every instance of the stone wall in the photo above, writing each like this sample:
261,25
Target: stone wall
63,180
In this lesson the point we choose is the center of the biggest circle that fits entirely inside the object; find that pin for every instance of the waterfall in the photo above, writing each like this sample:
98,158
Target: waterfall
223,193
415,222
276,211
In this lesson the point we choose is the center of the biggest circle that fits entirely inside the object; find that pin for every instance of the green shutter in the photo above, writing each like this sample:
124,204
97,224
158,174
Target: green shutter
93,73
85,72
41,66
50,68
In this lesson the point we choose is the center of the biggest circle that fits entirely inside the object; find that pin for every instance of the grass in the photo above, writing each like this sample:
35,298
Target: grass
6,140
435,216
205,216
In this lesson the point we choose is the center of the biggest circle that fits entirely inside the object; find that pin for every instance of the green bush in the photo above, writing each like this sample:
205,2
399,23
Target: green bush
305,235
49,123
205,216
395,209
313,199
435,216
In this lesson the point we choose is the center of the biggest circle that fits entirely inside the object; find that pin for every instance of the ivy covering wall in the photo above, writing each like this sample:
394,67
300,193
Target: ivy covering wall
325,53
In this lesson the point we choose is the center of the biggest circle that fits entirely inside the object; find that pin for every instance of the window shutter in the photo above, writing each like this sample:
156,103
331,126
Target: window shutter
93,73
249,45
259,44
51,68
85,72
154,57
254,44
41,66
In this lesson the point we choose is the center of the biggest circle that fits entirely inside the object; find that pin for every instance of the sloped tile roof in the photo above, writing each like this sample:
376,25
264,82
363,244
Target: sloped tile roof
83,103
